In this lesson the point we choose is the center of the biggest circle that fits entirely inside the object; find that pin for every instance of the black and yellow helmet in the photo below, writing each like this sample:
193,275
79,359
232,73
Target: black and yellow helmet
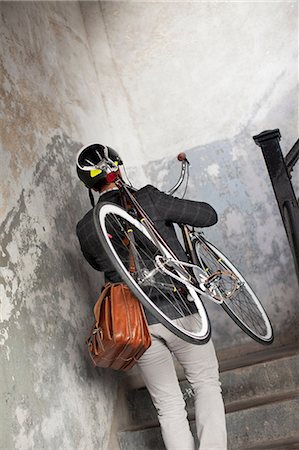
94,161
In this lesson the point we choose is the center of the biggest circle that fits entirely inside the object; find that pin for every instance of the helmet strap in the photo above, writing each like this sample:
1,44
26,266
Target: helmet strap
91,198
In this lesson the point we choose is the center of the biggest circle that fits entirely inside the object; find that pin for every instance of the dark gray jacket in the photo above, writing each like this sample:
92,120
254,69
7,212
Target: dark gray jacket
164,210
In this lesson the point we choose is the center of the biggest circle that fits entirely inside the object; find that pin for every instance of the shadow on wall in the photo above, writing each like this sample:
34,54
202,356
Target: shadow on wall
232,177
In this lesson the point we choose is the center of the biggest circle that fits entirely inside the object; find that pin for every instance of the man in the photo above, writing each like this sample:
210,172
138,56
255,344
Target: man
156,365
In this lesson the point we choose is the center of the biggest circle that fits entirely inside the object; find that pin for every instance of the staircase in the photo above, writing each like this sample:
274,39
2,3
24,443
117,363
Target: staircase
261,396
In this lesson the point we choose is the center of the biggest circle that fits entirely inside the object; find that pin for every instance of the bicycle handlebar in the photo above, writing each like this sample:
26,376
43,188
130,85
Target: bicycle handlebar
112,175
182,157
185,163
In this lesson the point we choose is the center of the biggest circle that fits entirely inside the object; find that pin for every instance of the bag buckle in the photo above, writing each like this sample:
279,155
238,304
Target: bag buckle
98,329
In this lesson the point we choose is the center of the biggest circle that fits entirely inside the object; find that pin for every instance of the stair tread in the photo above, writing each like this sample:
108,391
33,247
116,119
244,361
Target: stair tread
243,388
238,359
257,428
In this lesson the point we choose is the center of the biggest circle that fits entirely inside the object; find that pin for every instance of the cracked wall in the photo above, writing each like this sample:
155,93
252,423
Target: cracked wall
149,79
51,396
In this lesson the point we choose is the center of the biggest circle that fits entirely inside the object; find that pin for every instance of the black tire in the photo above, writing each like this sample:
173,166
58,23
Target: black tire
242,305
116,229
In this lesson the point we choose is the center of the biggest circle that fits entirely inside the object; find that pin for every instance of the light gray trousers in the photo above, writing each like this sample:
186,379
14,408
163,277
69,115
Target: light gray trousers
201,369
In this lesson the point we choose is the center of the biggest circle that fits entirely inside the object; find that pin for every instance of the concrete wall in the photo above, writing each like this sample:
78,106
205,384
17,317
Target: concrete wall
206,71
51,397
205,77
149,79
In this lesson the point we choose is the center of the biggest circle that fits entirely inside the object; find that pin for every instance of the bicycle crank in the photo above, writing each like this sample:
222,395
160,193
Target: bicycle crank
221,284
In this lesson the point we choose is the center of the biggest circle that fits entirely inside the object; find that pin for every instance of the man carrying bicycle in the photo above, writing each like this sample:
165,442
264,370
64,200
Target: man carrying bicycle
156,365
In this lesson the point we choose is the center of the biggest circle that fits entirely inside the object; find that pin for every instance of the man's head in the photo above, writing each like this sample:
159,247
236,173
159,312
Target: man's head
94,162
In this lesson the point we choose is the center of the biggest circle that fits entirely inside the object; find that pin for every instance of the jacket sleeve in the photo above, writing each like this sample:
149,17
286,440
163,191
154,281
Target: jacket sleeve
94,253
173,209
102,263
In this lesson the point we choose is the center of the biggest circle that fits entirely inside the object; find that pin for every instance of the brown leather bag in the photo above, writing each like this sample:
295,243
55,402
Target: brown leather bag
120,333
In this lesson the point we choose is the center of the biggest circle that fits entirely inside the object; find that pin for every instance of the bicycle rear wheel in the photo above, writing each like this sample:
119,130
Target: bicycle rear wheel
238,299
135,256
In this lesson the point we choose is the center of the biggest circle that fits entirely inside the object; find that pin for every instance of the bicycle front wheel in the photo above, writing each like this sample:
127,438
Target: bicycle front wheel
238,299
137,259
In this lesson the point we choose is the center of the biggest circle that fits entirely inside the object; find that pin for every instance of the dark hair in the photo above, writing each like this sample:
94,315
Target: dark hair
99,184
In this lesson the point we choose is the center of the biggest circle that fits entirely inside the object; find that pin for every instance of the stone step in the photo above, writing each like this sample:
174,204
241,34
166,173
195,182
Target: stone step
229,359
271,426
261,401
243,388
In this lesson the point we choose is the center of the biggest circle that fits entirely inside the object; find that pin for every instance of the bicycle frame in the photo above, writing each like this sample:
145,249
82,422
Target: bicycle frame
213,275
169,261
183,276
144,218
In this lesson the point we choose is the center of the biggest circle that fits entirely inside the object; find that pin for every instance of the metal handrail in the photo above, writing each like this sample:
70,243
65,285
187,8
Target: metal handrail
279,169
292,157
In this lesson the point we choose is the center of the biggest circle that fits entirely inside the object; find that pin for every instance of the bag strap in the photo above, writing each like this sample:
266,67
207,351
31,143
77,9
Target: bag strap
124,201
97,306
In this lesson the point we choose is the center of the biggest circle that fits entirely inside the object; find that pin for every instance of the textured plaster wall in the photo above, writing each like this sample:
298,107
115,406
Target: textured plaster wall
51,397
184,74
207,76
150,79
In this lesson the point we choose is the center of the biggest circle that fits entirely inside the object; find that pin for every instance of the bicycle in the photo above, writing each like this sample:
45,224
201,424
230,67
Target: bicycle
154,274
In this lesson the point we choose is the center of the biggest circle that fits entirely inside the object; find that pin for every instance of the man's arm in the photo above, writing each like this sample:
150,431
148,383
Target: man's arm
94,253
173,209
